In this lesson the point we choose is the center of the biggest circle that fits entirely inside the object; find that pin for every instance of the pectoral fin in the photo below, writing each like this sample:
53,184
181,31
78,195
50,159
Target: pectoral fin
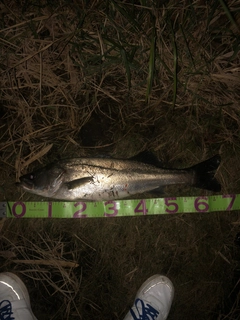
78,182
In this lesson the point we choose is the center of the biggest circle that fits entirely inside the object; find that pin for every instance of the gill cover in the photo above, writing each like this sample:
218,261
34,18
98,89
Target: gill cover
46,178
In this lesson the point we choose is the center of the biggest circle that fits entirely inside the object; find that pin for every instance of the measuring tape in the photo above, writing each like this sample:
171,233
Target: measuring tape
119,208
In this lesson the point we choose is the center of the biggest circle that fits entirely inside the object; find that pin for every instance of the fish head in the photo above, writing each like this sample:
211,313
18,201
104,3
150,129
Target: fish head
45,181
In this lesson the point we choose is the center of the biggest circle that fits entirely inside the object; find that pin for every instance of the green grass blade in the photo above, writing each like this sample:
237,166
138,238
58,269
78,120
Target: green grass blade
127,66
127,14
187,46
229,14
151,64
175,62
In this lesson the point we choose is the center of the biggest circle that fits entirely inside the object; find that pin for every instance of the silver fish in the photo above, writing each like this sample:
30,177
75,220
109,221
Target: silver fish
97,179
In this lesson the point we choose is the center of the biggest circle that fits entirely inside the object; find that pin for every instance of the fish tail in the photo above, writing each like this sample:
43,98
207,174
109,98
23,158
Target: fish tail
204,173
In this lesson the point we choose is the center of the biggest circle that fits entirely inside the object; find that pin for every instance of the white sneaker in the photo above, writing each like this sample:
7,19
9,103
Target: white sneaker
14,298
153,300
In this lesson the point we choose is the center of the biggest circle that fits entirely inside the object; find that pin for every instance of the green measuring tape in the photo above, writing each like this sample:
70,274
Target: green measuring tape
119,208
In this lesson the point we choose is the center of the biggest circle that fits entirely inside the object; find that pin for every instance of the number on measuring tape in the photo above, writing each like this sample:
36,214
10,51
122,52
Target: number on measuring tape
78,213
232,197
49,209
112,207
141,207
200,205
23,209
172,207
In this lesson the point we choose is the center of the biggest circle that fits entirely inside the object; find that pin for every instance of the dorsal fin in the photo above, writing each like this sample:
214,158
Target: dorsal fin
147,157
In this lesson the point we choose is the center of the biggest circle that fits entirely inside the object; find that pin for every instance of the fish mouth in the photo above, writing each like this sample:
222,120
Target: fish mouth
25,183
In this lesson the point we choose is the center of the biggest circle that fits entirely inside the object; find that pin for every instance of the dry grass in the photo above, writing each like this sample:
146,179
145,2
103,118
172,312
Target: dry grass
116,77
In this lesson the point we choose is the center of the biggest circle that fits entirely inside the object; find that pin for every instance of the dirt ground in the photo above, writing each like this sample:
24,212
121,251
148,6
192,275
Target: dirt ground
119,77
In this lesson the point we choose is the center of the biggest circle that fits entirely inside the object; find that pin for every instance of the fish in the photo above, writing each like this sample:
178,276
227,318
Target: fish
102,179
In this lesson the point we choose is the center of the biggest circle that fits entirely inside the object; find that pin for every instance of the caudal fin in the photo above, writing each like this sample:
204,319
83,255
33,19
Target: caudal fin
205,172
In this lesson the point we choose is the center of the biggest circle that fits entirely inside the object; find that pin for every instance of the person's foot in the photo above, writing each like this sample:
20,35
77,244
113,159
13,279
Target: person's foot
153,300
14,298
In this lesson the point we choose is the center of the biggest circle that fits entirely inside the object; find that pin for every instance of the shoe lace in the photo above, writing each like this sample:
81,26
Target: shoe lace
6,310
145,312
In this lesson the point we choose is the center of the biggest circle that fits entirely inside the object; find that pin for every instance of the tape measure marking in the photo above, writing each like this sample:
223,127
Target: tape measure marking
120,208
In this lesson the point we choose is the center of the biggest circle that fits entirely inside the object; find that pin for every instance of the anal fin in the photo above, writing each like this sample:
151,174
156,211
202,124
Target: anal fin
158,191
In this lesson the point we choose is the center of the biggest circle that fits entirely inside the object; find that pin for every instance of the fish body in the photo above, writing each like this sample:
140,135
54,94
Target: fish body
97,179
